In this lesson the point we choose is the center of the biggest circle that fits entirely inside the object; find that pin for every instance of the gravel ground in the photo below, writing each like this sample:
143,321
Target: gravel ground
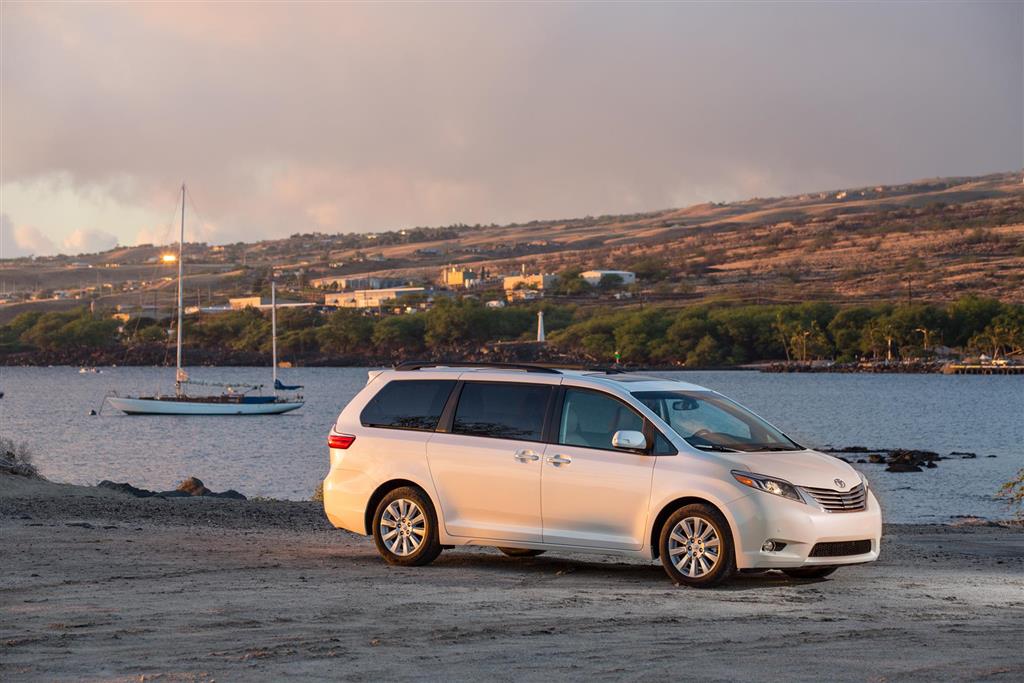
98,586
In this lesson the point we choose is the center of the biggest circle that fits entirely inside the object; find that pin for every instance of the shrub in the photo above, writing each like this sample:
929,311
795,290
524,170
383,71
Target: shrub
16,458
1013,493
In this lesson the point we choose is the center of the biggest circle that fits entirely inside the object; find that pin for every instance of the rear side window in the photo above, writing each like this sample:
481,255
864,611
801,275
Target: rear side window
408,404
507,411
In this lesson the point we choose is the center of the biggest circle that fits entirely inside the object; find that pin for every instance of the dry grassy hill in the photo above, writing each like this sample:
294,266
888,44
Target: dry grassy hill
936,238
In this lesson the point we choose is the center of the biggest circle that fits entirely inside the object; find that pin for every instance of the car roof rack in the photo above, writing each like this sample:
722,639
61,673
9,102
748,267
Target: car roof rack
528,367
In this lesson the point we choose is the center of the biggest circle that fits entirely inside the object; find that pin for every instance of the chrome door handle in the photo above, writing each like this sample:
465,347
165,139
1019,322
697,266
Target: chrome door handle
526,456
557,460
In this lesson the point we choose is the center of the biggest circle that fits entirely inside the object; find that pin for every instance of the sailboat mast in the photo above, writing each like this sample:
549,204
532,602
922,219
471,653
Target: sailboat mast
273,329
181,250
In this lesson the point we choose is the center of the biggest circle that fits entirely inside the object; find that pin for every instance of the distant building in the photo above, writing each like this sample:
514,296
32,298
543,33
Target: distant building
538,282
455,276
523,294
350,282
593,277
192,310
369,298
245,302
263,303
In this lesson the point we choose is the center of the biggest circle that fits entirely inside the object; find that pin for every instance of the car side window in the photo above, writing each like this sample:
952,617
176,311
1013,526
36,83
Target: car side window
662,446
591,419
408,404
502,410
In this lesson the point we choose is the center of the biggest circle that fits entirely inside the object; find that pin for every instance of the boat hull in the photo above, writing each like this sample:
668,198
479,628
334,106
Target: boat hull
153,406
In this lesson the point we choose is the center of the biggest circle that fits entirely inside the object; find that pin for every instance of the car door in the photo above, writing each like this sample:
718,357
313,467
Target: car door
591,493
486,464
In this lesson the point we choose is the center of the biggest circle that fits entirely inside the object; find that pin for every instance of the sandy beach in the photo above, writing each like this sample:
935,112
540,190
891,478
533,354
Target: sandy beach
102,586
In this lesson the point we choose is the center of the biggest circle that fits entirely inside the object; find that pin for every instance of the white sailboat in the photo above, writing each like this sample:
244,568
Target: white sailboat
236,399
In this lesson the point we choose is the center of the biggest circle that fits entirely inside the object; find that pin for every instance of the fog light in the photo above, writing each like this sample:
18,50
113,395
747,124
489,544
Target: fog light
768,546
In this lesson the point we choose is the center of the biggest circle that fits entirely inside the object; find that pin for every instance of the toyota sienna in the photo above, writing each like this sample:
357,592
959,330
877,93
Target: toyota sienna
529,459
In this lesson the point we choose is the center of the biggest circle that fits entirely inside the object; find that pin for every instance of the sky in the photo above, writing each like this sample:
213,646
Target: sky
330,117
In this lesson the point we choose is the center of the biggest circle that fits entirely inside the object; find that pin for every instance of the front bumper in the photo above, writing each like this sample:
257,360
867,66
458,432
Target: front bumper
760,517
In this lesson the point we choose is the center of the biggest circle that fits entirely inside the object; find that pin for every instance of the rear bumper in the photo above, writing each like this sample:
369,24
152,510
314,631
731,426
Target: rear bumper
760,517
346,494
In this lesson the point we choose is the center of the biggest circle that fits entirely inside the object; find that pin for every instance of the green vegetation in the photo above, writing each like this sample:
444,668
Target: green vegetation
704,335
56,331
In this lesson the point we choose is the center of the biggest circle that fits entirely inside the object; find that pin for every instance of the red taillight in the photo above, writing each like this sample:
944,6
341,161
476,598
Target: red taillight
340,440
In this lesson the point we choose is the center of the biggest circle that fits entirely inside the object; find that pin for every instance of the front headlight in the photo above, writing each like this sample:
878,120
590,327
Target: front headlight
864,480
778,487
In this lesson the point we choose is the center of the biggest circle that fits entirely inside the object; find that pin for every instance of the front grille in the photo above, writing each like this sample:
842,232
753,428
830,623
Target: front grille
854,500
840,548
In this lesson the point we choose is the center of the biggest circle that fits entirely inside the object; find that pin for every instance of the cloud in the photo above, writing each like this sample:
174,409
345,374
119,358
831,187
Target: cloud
83,241
22,240
350,117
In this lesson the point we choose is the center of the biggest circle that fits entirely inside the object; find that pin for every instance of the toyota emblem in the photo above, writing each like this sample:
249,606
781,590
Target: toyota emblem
840,483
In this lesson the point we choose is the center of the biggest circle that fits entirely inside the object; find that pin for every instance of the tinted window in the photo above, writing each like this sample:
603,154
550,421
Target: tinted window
710,421
508,411
590,419
408,404
662,446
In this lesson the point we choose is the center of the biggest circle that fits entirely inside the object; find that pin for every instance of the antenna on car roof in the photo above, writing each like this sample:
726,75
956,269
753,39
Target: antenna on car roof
410,365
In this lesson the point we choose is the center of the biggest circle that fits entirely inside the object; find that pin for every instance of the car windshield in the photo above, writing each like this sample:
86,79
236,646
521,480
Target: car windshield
711,422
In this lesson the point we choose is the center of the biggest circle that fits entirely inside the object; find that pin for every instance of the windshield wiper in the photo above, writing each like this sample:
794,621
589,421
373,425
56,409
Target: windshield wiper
776,448
714,447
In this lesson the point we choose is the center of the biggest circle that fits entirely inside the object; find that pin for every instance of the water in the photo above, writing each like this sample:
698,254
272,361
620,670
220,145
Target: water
286,456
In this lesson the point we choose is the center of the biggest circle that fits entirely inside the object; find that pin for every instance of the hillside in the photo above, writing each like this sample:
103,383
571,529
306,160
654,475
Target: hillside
933,239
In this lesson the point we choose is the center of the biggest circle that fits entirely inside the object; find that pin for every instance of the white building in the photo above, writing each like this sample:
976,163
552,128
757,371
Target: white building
349,282
593,277
369,298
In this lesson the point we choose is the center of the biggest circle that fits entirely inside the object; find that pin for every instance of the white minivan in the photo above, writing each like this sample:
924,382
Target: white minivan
529,458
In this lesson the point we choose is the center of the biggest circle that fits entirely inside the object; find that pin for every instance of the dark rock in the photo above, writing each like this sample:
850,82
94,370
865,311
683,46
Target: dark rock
186,489
912,457
902,467
876,458
861,460
964,454
931,463
125,488
991,456
230,493
84,525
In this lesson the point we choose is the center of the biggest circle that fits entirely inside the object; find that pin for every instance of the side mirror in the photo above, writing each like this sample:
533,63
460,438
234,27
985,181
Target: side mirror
634,441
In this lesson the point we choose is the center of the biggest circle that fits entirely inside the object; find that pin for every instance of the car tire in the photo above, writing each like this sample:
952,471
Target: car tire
687,547
809,572
405,528
522,552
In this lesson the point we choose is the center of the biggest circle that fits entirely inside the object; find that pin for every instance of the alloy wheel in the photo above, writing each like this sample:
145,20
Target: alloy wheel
403,526
694,547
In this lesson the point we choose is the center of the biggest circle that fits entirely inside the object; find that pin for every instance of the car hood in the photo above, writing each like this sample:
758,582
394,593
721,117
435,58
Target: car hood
803,468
